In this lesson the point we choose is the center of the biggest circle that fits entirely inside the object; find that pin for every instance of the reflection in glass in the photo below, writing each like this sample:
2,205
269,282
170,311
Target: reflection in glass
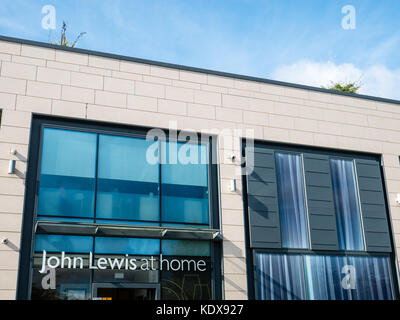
283,277
279,277
372,275
59,243
143,273
292,210
346,205
185,183
67,177
108,245
185,248
324,277
186,285
60,284
127,182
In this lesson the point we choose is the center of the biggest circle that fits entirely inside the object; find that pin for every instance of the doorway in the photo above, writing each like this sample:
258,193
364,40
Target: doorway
126,291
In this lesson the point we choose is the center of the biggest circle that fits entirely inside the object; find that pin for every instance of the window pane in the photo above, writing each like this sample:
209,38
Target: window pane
67,178
69,284
127,182
186,285
372,278
62,219
279,277
185,248
185,183
58,243
292,210
149,274
127,223
324,278
108,245
346,205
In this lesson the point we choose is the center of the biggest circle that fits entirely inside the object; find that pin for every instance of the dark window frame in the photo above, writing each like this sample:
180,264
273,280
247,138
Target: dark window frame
304,192
360,213
303,253
32,186
331,152
141,135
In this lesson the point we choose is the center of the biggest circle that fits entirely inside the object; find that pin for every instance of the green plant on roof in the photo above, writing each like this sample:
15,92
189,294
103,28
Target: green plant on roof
63,37
350,87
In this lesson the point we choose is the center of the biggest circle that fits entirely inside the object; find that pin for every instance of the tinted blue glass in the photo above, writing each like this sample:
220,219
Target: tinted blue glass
292,210
128,223
324,278
346,205
67,177
105,245
58,243
372,278
184,225
62,219
128,183
185,183
185,248
279,277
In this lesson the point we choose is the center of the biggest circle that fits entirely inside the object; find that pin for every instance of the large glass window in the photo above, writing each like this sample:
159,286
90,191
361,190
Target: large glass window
58,243
111,179
322,277
182,268
127,182
373,278
346,205
68,171
185,183
334,241
279,277
104,245
292,209
106,178
187,284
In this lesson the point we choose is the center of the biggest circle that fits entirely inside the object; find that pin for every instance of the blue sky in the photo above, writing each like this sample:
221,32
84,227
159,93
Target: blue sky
299,41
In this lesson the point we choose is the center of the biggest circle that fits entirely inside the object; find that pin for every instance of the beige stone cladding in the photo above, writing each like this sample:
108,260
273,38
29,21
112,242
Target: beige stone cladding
40,80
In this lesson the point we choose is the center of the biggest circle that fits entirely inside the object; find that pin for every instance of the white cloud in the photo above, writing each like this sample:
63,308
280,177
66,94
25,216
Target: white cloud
376,80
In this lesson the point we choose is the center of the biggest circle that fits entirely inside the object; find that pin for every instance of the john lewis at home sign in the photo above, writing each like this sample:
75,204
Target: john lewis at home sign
125,263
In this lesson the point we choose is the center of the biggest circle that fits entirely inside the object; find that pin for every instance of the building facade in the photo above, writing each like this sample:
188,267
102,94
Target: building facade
123,178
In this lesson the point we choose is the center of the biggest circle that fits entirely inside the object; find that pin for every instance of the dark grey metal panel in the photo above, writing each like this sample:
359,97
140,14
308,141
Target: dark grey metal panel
264,218
321,209
372,199
262,174
326,240
260,188
262,199
259,203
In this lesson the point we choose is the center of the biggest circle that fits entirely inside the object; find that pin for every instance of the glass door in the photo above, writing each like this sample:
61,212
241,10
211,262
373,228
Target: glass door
125,291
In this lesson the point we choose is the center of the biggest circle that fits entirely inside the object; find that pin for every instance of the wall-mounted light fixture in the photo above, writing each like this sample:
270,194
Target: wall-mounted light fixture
11,164
398,198
4,241
232,185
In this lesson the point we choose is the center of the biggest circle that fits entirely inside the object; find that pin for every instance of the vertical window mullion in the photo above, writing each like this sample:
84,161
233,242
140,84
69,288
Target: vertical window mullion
96,179
307,217
160,181
359,205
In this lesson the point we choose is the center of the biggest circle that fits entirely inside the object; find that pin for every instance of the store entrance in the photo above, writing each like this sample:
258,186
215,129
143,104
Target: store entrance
125,291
